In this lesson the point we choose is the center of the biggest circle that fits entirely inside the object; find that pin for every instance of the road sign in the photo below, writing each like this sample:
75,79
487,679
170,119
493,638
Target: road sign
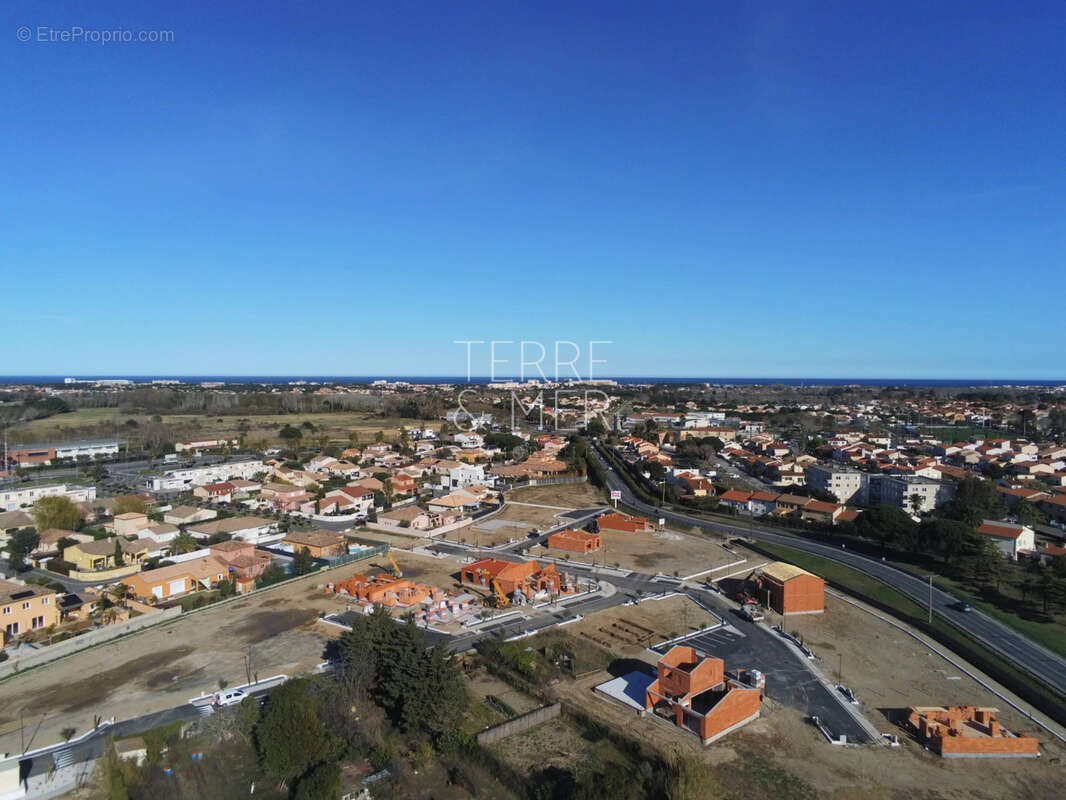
616,494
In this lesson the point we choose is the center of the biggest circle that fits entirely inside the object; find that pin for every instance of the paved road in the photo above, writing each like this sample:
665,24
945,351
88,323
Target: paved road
1026,654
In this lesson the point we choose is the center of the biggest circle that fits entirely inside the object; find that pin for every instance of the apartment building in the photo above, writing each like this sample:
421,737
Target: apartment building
44,453
846,484
181,479
910,493
14,497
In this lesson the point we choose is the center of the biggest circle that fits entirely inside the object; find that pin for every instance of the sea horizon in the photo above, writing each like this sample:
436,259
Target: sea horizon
8,380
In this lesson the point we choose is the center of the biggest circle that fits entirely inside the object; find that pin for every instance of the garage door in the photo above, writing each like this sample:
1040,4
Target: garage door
176,587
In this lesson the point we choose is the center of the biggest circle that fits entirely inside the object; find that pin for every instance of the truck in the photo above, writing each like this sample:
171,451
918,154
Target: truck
752,612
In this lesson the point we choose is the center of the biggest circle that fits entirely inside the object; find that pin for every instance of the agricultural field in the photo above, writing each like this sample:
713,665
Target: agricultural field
260,431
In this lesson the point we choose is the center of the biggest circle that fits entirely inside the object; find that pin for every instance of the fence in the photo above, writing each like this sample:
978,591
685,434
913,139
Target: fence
96,636
547,481
518,724
348,558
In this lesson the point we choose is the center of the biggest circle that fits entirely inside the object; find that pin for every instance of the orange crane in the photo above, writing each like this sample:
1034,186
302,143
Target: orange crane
396,567
501,599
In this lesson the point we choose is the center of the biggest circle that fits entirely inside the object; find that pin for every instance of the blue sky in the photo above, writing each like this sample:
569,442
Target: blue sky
719,189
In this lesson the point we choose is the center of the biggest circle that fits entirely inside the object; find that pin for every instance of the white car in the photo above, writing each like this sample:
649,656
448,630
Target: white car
229,698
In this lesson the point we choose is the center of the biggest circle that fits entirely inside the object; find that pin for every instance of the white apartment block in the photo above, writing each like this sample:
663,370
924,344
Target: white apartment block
19,497
898,491
180,479
846,485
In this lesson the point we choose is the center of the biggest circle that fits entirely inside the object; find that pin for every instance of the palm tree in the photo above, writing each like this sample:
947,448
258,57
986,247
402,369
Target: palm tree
118,593
916,503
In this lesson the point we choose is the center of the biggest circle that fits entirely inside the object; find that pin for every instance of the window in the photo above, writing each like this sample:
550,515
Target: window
38,622
26,604
13,629
44,602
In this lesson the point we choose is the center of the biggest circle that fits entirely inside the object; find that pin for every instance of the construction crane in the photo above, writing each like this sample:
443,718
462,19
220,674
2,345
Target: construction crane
501,599
395,567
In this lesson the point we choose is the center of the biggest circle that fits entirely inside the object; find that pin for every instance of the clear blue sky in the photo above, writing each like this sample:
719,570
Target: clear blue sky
720,189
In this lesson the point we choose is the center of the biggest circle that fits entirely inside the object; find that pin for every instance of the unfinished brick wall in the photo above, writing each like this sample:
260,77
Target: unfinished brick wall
736,707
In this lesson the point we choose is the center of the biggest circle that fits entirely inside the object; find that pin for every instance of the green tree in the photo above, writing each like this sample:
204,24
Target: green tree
129,505
290,434
289,735
324,781
183,543
302,562
19,545
55,512
120,558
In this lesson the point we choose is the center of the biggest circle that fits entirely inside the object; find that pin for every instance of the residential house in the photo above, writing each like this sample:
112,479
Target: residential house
242,558
216,492
257,530
320,543
403,484
1009,538
186,515
454,502
575,541
736,500
694,691
178,579
789,589
415,518
623,523
25,608
99,554
129,524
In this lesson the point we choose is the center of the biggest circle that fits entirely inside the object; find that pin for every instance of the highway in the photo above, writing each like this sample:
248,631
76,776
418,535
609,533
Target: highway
1011,645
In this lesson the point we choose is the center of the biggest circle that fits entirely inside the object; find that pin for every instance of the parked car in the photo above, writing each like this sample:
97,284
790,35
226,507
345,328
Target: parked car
229,698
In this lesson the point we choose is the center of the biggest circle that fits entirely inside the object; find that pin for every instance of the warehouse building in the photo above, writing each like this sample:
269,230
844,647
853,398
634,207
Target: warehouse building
787,589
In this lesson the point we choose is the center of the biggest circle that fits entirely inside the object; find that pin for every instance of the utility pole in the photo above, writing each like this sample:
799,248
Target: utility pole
930,599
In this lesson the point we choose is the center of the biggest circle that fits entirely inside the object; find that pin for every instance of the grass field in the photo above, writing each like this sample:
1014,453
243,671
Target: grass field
93,422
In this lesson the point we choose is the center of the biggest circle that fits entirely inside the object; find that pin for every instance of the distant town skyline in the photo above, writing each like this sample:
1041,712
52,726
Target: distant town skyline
718,189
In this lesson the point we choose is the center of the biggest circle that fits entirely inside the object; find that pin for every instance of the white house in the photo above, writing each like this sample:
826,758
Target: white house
462,476
1011,539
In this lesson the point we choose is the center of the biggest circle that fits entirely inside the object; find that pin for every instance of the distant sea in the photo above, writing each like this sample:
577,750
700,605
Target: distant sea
327,379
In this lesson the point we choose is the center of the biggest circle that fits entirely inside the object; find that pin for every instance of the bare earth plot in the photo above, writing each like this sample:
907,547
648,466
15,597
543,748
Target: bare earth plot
889,670
629,630
166,665
573,495
513,522
668,552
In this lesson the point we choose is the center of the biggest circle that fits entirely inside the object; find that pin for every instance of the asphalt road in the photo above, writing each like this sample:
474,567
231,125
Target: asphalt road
1023,652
